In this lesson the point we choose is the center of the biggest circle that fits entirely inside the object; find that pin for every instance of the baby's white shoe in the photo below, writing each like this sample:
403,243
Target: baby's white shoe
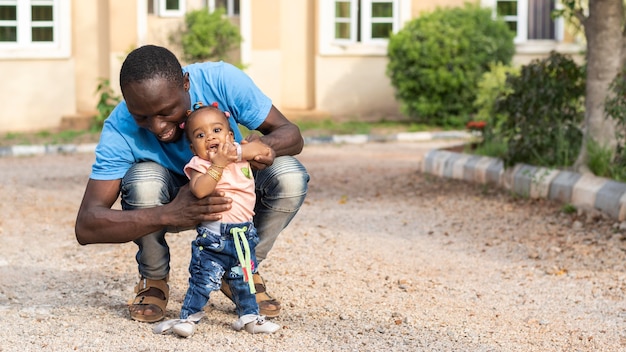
184,329
181,327
255,324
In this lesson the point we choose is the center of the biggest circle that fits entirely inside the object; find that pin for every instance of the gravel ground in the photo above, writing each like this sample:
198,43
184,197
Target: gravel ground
381,257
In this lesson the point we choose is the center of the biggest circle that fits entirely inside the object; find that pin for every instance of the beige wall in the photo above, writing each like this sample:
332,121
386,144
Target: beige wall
420,6
266,58
282,52
90,51
297,44
354,87
36,93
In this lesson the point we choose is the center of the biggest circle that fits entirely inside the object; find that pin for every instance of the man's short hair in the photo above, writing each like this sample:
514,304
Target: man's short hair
148,62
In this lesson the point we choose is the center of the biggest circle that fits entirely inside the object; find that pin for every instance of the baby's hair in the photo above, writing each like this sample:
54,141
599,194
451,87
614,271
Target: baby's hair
148,62
200,107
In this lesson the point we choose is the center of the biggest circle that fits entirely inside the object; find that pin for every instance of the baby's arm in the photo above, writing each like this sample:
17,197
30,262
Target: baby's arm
203,184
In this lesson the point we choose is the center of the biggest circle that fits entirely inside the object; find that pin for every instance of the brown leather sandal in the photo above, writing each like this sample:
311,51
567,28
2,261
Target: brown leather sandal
268,305
149,298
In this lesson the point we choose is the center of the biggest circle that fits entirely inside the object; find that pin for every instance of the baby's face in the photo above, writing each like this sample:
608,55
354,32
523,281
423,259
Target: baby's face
206,131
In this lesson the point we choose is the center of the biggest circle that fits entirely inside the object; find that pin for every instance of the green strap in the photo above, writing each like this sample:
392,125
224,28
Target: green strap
244,256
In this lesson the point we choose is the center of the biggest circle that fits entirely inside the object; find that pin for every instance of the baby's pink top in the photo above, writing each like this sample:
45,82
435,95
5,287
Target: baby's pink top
237,183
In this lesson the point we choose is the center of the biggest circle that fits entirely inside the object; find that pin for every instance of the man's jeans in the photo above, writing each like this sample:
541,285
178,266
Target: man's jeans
280,190
214,255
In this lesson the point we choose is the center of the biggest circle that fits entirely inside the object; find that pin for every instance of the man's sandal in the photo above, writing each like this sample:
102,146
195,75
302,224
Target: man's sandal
268,305
151,295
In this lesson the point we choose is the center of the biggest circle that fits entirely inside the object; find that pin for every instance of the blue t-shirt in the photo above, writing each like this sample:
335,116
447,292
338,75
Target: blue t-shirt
123,143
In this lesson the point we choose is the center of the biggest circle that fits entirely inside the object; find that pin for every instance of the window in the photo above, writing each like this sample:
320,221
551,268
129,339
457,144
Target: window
167,8
34,28
364,20
360,26
529,19
231,6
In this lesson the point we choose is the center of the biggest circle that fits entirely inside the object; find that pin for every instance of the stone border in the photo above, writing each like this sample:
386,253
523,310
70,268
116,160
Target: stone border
26,150
530,181
399,137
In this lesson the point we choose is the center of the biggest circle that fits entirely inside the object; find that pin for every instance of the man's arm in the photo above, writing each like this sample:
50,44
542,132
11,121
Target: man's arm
98,223
281,134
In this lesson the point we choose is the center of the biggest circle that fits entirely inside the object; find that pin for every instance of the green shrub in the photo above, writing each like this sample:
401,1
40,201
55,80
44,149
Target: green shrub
599,159
207,36
436,60
492,85
544,113
615,107
107,101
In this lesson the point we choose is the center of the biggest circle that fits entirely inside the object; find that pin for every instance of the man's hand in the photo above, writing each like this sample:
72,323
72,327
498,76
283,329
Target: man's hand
258,153
98,223
186,210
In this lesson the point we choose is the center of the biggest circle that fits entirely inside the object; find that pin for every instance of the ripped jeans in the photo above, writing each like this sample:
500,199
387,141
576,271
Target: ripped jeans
213,256
280,191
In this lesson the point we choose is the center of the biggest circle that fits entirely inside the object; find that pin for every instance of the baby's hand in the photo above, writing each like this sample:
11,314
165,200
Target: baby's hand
225,154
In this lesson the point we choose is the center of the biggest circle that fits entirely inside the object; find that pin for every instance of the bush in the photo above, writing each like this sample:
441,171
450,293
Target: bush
544,113
615,107
436,60
492,85
107,101
207,36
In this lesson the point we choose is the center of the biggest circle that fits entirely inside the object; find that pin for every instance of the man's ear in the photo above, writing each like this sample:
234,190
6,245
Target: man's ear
186,84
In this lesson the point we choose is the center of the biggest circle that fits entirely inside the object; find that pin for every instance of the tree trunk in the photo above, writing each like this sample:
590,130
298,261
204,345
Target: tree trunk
603,31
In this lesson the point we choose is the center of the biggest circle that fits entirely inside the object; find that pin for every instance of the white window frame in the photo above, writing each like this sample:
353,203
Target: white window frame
230,7
24,47
522,21
329,45
164,12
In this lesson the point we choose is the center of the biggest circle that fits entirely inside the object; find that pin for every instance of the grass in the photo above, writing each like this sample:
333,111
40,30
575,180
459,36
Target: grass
48,137
308,127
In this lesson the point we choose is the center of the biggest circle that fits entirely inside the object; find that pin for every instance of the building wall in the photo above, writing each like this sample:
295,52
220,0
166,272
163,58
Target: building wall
282,53
35,94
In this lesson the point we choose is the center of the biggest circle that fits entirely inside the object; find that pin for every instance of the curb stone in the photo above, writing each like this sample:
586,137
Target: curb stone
565,187
28,150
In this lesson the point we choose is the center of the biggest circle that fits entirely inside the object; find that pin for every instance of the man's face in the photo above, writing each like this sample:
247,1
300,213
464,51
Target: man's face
158,106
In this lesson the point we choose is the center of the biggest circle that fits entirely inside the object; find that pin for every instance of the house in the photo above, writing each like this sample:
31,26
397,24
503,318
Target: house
316,57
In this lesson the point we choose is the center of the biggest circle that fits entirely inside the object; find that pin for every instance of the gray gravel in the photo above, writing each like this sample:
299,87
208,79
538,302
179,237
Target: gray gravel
380,258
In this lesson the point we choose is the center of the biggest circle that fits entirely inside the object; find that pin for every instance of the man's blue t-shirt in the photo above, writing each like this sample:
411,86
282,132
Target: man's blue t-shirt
123,143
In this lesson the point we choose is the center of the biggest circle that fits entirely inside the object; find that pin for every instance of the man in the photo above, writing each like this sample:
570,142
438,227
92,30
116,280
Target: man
141,155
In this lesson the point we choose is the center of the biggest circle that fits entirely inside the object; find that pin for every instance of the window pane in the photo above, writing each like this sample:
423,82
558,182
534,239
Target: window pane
8,13
382,9
540,22
381,30
512,26
42,34
8,34
507,8
42,13
236,7
172,5
342,9
342,31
